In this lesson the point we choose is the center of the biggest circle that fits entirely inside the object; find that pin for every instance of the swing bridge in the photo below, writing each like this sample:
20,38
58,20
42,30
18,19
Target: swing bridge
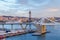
39,24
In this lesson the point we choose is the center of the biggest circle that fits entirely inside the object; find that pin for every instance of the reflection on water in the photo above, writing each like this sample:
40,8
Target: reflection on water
42,37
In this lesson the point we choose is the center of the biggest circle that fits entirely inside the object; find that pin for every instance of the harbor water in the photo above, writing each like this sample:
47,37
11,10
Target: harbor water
54,33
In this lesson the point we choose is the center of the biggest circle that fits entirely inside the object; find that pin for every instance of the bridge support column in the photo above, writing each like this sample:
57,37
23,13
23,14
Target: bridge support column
24,28
11,26
3,27
41,29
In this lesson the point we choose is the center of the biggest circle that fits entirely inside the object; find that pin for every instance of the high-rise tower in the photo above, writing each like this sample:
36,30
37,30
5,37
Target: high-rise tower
29,16
30,20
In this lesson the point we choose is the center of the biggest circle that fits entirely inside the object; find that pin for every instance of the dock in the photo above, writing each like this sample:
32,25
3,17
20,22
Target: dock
3,34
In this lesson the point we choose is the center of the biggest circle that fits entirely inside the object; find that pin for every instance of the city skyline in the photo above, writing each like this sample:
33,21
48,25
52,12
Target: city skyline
40,8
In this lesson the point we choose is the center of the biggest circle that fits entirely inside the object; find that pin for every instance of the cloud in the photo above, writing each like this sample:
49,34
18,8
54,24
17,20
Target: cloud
38,7
53,9
22,13
47,12
38,3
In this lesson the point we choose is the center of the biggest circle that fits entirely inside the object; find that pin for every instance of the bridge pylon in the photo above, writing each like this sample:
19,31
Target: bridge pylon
41,29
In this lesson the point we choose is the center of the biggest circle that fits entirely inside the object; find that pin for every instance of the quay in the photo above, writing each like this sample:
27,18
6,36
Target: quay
4,34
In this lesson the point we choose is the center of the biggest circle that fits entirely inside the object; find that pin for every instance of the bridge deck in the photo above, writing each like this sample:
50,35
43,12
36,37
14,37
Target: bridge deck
29,23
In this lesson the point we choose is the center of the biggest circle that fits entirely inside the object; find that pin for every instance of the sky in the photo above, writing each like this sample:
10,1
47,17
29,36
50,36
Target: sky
39,8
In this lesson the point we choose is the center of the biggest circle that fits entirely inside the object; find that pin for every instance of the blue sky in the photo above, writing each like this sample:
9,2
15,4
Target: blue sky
39,8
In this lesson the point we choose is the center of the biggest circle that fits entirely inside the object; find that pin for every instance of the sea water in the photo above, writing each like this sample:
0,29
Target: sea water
54,34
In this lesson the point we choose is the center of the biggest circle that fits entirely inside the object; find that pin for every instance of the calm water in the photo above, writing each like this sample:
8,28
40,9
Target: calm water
53,35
